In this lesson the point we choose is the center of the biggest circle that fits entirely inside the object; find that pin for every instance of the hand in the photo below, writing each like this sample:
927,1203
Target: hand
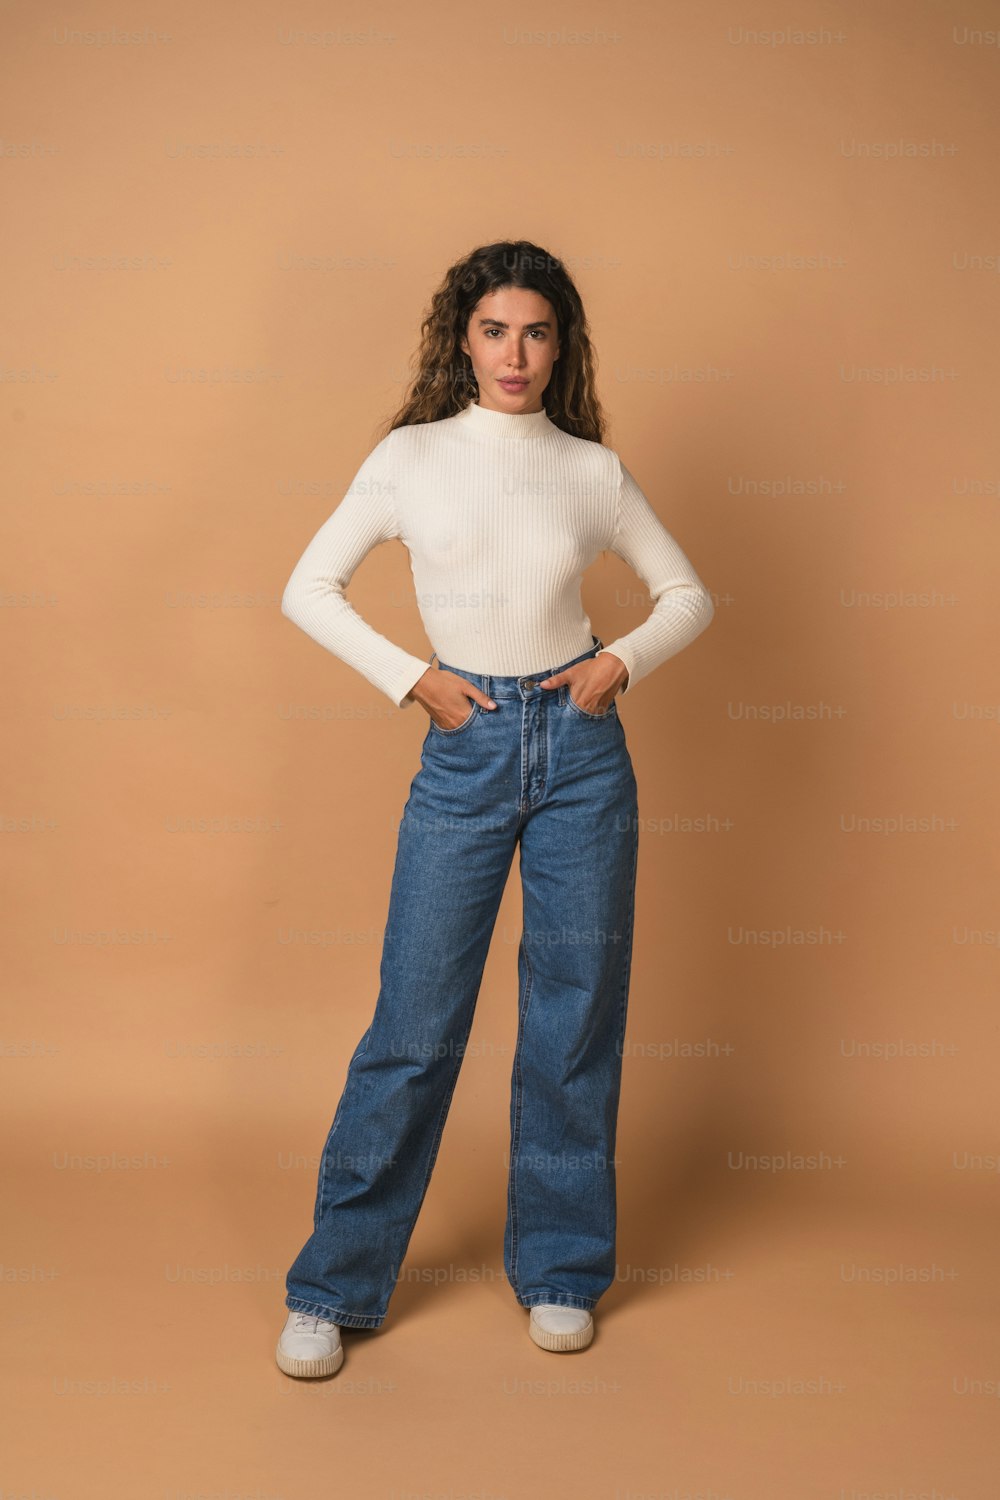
592,683
448,696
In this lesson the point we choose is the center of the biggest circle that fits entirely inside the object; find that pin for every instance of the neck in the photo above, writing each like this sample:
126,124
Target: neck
505,424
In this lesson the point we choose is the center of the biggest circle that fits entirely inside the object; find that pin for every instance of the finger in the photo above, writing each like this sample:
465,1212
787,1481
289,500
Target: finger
471,691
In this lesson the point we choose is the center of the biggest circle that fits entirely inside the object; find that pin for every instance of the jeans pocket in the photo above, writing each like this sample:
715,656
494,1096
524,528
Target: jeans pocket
459,728
610,712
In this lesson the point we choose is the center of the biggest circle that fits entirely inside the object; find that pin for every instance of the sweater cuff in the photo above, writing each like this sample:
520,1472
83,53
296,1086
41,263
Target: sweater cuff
409,675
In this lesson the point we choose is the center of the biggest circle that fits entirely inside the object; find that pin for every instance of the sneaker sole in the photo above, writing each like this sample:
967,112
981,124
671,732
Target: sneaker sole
310,1368
560,1343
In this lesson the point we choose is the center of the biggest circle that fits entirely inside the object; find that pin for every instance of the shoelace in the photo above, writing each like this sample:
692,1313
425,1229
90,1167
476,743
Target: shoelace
302,1319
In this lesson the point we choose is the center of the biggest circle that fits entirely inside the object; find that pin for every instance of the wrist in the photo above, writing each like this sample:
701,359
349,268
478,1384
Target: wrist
620,678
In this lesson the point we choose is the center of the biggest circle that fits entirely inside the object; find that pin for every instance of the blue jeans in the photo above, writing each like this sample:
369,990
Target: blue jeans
540,772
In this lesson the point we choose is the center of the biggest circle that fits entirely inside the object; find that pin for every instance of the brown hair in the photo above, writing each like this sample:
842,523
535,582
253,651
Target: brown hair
444,382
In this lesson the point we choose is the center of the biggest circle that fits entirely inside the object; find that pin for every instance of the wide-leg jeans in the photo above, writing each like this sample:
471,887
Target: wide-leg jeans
538,773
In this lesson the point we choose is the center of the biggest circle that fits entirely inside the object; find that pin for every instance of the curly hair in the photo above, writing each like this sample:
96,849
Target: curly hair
444,382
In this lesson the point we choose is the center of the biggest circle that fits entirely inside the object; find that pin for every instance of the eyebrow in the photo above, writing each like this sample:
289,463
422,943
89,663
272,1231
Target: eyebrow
542,323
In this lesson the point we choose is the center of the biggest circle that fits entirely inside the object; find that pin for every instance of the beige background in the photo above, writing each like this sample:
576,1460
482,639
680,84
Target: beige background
221,238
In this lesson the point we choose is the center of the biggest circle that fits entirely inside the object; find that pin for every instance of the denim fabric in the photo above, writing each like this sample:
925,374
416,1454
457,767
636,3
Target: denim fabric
539,772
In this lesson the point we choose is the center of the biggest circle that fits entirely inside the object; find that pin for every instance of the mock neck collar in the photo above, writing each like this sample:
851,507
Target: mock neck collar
503,424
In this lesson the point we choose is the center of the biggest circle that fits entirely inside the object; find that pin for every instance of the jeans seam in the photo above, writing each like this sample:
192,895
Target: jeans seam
630,909
516,1132
623,1010
359,1051
557,1299
436,1142
334,1314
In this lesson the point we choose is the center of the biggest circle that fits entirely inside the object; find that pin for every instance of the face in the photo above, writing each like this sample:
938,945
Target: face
512,333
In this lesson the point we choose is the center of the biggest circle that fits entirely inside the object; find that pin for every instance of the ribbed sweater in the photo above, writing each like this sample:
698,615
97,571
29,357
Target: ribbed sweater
501,514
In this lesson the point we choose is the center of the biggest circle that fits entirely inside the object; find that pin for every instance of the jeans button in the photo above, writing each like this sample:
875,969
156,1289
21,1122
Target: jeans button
529,684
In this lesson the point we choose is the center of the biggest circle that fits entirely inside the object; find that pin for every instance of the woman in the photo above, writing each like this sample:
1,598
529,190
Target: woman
495,477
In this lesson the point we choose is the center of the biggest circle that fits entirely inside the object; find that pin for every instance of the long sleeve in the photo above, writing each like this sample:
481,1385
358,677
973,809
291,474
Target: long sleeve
314,597
682,605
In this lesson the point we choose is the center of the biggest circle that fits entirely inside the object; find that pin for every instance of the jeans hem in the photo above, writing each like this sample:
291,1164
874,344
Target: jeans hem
334,1314
558,1299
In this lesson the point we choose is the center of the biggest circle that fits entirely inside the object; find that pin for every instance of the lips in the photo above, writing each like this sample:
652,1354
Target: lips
517,385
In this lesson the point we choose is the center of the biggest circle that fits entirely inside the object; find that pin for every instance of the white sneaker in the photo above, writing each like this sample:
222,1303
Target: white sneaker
560,1328
309,1346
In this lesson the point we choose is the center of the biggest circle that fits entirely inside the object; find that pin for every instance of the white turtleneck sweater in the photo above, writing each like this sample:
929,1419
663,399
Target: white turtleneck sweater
501,514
